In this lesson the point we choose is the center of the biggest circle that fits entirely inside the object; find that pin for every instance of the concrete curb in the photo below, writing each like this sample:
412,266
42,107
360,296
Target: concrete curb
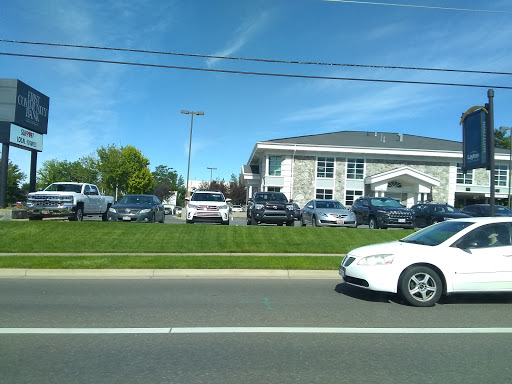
165,273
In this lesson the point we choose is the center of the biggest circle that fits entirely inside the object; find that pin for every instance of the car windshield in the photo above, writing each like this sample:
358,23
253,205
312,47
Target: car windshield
501,209
445,208
385,203
437,234
207,197
329,205
64,188
134,200
270,197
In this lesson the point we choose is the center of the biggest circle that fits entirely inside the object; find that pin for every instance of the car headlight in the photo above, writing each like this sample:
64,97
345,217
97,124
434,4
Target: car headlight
223,207
383,212
258,206
145,210
377,259
192,206
289,207
113,210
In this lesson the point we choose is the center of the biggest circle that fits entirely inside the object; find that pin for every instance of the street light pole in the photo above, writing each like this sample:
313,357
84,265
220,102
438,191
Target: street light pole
211,173
504,129
191,113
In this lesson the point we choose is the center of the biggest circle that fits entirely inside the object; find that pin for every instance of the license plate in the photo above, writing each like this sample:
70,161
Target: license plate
340,222
342,272
127,218
45,212
401,220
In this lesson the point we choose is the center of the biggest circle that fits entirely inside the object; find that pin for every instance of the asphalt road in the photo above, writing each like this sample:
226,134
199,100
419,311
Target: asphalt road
469,341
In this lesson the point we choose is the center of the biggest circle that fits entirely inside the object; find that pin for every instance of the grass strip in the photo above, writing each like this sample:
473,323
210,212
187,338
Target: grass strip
103,237
172,262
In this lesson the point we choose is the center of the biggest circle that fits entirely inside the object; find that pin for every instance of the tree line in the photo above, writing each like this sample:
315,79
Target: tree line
117,171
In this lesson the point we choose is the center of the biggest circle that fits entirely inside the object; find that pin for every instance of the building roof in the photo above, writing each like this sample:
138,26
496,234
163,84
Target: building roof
376,140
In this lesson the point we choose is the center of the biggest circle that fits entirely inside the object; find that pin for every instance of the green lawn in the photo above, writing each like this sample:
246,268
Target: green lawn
99,237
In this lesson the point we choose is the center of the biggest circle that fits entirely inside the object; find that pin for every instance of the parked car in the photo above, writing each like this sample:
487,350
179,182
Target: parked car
178,210
167,209
382,212
331,213
460,255
237,208
483,210
137,208
297,212
207,206
430,213
270,208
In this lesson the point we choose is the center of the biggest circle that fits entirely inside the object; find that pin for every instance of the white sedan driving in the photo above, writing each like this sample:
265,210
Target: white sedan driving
462,255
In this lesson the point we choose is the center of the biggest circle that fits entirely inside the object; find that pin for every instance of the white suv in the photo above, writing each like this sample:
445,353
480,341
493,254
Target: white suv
207,206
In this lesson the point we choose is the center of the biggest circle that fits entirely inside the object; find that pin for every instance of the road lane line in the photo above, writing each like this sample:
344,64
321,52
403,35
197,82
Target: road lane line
296,330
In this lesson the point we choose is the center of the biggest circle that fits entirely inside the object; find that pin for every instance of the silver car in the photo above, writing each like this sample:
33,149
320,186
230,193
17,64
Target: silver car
327,213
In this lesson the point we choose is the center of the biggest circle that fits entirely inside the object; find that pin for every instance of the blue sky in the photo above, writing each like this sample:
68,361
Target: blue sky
98,104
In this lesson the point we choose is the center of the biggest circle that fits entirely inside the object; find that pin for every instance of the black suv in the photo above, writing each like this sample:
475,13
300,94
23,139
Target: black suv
270,208
431,213
382,212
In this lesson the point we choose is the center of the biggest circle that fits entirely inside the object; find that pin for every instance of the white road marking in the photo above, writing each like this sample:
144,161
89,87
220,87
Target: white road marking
213,330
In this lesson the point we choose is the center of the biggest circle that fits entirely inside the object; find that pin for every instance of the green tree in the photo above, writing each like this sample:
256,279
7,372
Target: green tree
141,181
124,169
500,141
81,171
14,192
180,196
166,180
237,190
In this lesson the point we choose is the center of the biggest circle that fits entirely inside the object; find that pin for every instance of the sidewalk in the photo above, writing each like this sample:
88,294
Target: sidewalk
166,273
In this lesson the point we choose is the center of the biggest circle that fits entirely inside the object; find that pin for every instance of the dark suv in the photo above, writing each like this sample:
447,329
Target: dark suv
270,208
382,212
431,213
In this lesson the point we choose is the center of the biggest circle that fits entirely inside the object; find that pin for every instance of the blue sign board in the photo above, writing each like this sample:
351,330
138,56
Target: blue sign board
475,141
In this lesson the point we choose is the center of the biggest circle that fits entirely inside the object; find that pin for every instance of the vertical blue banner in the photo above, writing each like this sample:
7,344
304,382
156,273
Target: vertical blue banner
475,141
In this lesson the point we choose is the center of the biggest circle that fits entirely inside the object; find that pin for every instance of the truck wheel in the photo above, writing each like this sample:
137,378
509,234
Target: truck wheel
78,215
104,216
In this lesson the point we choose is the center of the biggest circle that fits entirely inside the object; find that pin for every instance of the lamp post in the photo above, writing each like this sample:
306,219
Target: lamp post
504,129
211,173
191,113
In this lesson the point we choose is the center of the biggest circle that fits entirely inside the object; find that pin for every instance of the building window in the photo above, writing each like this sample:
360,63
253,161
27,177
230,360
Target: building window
355,169
394,184
464,178
324,194
325,167
274,165
273,189
351,196
500,176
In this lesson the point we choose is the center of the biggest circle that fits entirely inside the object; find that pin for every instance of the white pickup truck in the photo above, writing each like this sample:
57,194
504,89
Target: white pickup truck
72,200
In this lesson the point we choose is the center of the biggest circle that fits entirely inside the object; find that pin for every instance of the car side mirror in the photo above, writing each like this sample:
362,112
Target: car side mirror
250,200
310,207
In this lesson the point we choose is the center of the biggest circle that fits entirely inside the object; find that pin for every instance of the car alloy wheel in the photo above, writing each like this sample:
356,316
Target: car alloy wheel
421,286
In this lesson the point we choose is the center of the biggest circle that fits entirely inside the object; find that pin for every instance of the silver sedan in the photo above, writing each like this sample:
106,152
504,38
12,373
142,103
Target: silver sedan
328,213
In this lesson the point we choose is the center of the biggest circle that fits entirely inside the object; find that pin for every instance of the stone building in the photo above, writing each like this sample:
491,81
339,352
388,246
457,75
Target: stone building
348,164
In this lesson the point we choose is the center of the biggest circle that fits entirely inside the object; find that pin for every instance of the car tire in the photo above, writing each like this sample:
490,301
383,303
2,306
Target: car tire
372,223
302,222
225,222
420,286
189,221
163,219
249,221
253,222
35,218
313,221
290,223
78,214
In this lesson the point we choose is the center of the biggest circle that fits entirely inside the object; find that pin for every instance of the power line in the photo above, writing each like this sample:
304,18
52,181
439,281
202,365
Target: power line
255,59
253,73
419,6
